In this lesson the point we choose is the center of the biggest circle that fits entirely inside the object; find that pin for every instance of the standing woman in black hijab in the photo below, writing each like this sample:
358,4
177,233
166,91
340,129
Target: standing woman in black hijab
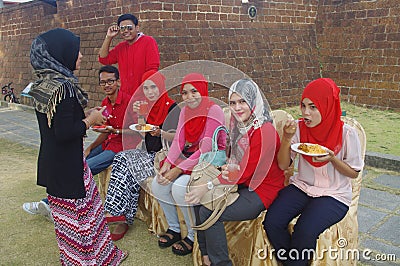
81,230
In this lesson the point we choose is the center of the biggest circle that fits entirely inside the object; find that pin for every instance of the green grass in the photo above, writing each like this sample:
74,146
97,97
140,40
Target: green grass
30,239
381,127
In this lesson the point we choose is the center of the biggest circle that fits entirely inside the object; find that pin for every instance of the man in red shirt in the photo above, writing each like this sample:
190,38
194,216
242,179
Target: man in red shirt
135,55
100,153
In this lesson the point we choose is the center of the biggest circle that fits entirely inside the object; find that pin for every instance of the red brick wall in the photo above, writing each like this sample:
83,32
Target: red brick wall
278,49
359,45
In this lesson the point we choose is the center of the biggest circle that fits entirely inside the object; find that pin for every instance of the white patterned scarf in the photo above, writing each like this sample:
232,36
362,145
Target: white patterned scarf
260,114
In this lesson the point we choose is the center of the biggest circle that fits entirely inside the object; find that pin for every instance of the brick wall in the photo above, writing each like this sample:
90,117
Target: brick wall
359,47
278,49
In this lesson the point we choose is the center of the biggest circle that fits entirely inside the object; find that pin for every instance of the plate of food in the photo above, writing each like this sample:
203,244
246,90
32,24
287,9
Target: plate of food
101,128
309,149
142,127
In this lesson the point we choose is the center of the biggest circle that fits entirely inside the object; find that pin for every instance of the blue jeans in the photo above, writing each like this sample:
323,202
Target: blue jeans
316,214
99,159
169,197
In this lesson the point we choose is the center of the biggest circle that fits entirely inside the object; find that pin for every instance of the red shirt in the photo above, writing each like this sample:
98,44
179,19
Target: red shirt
116,120
259,165
133,61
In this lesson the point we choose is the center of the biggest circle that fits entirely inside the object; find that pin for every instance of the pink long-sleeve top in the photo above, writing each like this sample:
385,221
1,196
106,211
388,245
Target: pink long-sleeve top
326,180
215,118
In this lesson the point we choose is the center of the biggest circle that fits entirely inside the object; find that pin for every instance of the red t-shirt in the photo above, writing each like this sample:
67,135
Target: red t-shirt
259,165
116,120
133,61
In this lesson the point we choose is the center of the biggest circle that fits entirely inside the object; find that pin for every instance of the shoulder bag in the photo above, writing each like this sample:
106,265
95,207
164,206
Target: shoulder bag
219,196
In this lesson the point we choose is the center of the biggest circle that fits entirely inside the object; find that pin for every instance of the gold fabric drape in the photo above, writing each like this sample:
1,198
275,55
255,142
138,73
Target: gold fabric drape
247,241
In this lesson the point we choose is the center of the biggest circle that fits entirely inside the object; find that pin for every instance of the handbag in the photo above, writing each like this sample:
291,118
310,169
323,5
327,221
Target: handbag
161,154
220,196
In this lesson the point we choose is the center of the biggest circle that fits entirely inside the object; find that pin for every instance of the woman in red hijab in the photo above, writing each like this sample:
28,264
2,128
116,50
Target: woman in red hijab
321,190
131,167
197,122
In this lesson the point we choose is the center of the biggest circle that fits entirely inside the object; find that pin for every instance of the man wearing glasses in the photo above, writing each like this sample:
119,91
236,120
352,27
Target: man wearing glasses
135,55
100,153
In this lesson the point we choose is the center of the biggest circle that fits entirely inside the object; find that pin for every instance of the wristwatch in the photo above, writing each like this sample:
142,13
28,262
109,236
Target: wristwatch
210,185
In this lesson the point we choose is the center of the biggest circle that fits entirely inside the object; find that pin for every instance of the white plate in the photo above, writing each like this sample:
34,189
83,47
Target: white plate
136,127
101,129
296,149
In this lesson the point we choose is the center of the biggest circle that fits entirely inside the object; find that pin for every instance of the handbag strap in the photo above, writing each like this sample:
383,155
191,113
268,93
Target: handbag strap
164,142
217,212
214,137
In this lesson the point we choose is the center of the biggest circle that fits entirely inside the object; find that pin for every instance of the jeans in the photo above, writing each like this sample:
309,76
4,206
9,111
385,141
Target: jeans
99,159
169,197
316,214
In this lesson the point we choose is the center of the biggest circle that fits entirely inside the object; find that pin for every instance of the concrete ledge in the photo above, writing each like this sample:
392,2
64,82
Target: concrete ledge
384,161
17,106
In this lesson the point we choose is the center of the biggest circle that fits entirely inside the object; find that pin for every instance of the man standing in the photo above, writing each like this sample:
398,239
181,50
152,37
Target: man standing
100,153
135,55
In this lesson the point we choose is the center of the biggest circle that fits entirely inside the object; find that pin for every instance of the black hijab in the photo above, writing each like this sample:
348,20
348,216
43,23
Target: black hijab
53,56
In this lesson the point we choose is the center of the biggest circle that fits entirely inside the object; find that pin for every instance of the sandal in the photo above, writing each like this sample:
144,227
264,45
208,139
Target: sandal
186,245
170,241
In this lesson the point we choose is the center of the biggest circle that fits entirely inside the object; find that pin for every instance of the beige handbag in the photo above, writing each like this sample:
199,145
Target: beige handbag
219,196
161,154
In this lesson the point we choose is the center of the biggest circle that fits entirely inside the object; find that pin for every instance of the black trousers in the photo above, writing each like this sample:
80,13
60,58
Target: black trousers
213,242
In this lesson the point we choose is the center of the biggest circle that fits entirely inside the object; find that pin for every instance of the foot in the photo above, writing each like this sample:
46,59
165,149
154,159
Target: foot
119,232
126,254
120,228
206,261
31,207
183,247
44,209
170,237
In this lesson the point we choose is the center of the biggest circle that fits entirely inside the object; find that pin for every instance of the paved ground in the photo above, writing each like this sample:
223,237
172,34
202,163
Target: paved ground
379,205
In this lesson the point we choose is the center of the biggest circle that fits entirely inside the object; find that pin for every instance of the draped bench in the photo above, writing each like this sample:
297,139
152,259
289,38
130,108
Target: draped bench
247,240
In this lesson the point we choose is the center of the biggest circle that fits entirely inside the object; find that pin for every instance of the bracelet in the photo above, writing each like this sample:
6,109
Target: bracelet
118,131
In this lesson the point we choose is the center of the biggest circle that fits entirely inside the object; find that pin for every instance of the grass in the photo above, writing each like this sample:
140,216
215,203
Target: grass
381,127
30,239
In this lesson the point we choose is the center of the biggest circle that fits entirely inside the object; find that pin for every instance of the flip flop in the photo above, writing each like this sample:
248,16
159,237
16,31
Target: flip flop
170,241
184,243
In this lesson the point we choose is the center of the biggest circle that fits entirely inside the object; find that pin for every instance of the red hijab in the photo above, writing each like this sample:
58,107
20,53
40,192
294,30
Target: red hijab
159,108
324,93
195,119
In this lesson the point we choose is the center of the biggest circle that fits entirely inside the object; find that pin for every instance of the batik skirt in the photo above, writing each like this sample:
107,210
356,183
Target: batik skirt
82,233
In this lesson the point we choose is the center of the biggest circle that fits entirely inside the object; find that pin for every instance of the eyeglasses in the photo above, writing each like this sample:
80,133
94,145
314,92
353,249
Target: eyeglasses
108,82
126,27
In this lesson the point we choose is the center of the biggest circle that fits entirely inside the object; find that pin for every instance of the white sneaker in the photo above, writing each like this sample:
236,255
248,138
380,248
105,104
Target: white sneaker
31,207
44,209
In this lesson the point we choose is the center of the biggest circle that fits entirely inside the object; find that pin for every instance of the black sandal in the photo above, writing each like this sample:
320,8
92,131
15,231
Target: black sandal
184,243
170,241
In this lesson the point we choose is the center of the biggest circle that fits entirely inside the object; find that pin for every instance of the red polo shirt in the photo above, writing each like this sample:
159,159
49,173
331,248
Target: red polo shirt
116,120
